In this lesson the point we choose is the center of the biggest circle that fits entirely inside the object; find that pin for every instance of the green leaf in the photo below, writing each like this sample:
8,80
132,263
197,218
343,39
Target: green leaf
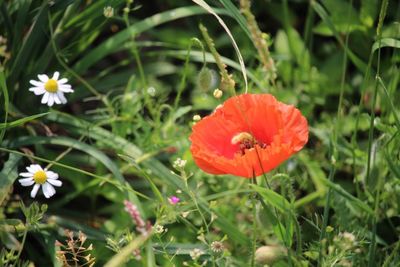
8,175
326,18
349,197
273,198
9,125
368,12
385,42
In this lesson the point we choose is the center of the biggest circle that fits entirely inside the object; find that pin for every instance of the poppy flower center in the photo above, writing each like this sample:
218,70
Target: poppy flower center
40,177
245,141
51,86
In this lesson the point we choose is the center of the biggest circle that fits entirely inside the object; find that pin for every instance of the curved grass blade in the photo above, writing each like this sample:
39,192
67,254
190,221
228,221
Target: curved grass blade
9,125
385,42
239,55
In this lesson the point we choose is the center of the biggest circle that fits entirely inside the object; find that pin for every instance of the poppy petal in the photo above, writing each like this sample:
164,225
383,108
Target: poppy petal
249,135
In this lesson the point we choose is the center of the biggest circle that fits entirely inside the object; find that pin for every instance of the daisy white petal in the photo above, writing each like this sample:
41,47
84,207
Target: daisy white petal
48,190
51,100
61,97
35,190
39,177
56,75
52,175
45,98
55,182
51,88
26,174
66,86
43,77
62,81
37,90
26,181
56,99
33,168
36,83
36,167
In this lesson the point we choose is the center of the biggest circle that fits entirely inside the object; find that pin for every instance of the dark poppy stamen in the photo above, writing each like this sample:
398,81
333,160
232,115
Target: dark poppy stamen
246,141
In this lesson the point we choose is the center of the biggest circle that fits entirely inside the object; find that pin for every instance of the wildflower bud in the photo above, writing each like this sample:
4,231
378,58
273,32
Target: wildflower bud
126,10
179,163
151,91
108,12
195,253
205,79
173,200
329,229
269,254
217,93
196,117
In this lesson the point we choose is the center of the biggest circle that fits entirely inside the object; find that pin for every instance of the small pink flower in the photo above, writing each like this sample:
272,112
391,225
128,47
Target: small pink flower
133,211
173,200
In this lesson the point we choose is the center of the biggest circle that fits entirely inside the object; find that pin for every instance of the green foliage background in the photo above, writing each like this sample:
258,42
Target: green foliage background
337,61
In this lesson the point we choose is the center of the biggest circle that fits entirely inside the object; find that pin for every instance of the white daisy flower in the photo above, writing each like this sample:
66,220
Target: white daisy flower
40,177
53,89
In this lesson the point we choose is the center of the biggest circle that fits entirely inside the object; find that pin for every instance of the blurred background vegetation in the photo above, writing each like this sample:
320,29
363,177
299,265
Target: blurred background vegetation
141,70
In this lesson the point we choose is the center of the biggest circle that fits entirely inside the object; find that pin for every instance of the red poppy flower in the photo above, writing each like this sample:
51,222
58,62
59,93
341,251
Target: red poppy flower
249,135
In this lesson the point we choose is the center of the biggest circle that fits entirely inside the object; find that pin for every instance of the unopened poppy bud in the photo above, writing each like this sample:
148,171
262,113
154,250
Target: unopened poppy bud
205,79
217,93
269,254
196,117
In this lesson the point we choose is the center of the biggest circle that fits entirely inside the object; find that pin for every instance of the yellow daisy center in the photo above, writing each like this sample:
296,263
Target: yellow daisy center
40,177
51,86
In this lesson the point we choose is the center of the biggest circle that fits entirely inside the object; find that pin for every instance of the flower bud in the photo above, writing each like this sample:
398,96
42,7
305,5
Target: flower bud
205,79
196,117
108,12
217,93
269,254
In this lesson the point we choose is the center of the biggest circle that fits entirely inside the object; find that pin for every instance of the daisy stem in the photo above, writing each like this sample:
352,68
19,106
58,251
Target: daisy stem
63,154
22,244
76,75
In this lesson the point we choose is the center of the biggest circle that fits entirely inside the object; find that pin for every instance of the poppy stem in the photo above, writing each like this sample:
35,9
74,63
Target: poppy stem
253,205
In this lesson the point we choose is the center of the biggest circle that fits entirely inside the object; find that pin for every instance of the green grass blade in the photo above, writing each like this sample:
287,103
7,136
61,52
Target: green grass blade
234,11
385,42
8,175
16,123
69,142
352,199
4,91
114,42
